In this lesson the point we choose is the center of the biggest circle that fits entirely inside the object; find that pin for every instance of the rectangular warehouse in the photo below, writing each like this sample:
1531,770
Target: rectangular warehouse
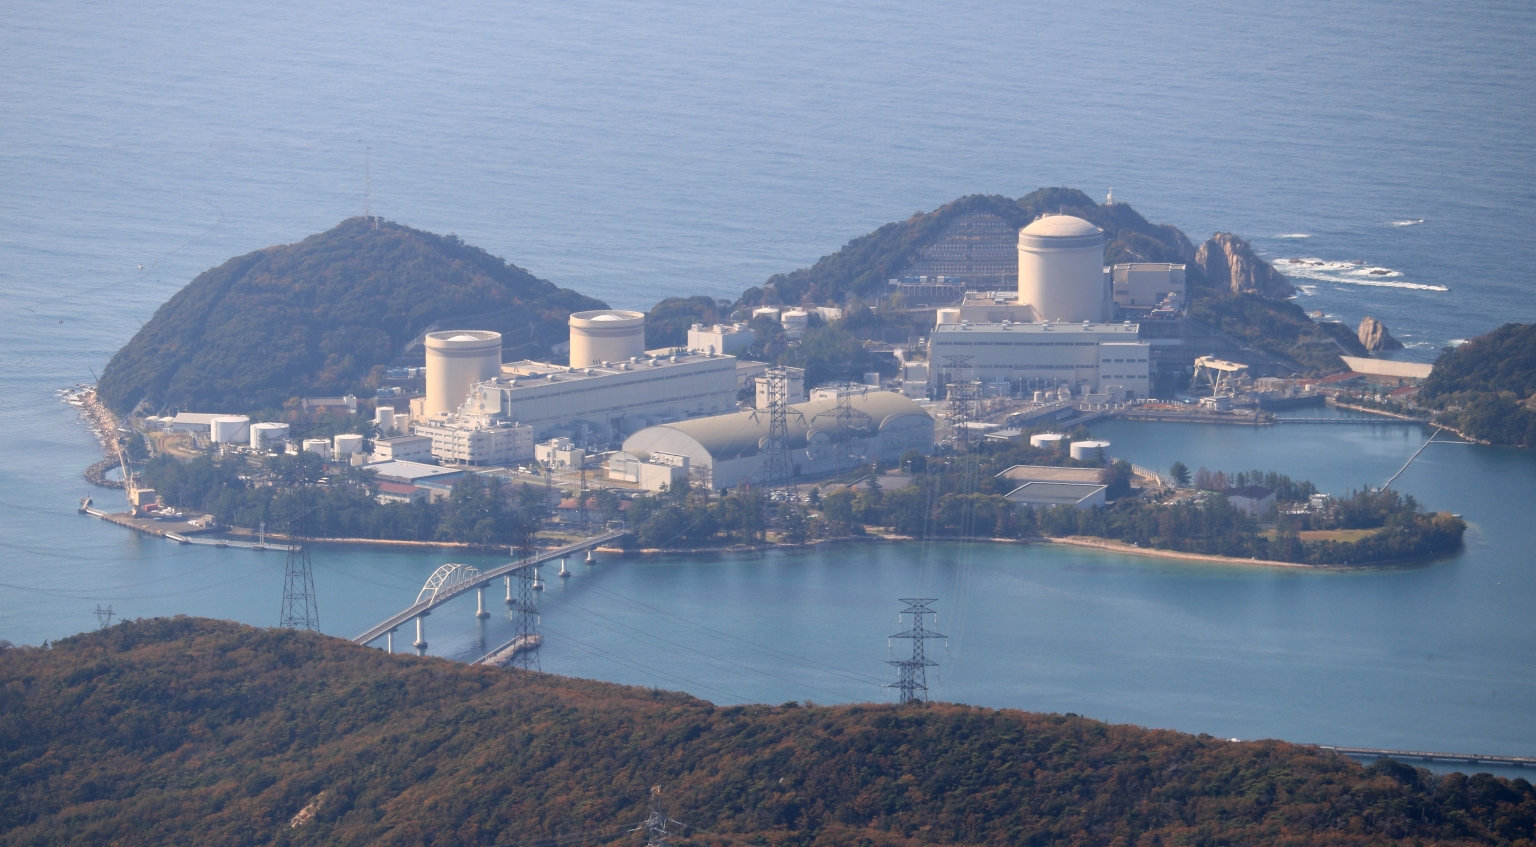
1087,357
601,404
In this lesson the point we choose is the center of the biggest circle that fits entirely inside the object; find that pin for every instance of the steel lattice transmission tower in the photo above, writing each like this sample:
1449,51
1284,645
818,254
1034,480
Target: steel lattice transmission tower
964,400
777,473
655,825
300,610
912,679
847,422
525,612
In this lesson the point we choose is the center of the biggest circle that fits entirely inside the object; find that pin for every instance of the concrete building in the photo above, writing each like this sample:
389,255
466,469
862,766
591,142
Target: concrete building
346,404
1087,357
725,339
1145,286
407,448
659,471
599,404
415,473
605,336
476,440
197,423
727,449
1020,474
1043,495
1061,269
559,453
456,360
794,387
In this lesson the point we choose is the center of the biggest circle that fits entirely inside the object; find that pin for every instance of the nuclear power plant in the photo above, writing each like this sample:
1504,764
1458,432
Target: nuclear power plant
455,362
1061,270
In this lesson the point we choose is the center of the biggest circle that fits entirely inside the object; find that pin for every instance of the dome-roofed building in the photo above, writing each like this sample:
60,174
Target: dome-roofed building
1061,269
728,449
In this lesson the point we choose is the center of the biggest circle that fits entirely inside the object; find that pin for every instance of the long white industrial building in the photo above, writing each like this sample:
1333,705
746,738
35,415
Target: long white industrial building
1087,357
727,449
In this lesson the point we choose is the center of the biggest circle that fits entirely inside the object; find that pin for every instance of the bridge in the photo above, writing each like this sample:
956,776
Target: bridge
450,581
1468,758
1374,421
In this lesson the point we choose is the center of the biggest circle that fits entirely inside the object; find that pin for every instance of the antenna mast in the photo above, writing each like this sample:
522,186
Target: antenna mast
368,183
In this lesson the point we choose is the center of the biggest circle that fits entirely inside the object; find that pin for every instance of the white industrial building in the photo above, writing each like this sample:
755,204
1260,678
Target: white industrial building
402,448
656,472
728,449
1044,486
1093,358
1144,286
725,339
794,387
559,453
476,440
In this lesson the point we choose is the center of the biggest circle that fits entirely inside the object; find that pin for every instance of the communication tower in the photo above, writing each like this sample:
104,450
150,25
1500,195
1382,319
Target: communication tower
912,674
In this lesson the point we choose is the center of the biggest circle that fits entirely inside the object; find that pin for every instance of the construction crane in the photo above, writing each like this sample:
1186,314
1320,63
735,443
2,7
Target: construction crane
1221,376
129,483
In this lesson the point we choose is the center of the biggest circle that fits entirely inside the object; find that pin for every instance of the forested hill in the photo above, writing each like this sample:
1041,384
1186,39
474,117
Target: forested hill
318,317
862,267
1486,388
200,732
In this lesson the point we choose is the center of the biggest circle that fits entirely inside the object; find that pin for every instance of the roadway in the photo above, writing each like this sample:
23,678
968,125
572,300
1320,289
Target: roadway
441,597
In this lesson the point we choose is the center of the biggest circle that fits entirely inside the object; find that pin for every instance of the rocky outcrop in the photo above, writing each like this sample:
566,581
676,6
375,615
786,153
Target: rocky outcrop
1229,262
1373,334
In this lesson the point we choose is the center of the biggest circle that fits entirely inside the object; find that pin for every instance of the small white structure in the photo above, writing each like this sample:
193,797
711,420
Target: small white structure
230,429
602,336
726,339
408,448
266,436
794,387
347,444
662,470
319,446
1256,500
1049,439
559,453
1088,450
1061,269
456,360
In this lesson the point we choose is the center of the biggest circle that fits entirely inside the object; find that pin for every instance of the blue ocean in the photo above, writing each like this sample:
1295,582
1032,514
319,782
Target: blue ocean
635,151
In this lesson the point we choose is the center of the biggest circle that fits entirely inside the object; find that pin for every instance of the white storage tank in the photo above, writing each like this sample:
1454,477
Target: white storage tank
384,419
346,444
949,316
1061,269
1047,439
796,322
769,312
1088,450
230,429
319,446
267,436
606,335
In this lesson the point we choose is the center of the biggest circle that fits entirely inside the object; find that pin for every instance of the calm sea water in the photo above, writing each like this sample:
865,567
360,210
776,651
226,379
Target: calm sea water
635,151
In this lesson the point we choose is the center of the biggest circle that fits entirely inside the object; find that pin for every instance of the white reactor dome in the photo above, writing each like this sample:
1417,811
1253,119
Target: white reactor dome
1061,269
456,360
606,335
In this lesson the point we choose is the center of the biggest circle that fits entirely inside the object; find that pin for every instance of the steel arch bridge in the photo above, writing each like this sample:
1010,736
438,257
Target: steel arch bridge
444,581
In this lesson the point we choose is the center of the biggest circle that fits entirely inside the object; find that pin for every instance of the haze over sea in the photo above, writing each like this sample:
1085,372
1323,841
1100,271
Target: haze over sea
634,151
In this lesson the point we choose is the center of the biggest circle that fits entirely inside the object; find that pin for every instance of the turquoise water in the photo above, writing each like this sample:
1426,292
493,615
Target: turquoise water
635,151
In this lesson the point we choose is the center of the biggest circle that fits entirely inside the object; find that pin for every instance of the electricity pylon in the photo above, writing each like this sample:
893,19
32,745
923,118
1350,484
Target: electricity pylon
912,674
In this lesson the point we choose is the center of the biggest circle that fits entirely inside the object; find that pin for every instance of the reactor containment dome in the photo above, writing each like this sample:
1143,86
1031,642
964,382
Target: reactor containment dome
1061,269
456,360
606,335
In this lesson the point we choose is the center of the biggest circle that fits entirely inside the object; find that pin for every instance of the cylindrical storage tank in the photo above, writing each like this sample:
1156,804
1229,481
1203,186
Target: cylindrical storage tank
769,312
319,446
231,429
266,436
796,320
348,443
949,316
1047,439
1061,269
1088,450
455,362
384,418
606,335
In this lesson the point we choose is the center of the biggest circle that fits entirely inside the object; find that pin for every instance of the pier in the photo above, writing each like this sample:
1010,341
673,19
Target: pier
1404,755
508,651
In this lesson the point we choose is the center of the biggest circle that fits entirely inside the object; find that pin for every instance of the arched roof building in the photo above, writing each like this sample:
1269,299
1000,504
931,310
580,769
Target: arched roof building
730,448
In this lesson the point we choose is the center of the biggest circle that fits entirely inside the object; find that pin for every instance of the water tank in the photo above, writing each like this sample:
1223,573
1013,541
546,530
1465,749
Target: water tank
1047,439
795,320
348,443
384,418
456,360
769,312
1088,450
606,335
319,446
1061,269
949,316
231,429
265,436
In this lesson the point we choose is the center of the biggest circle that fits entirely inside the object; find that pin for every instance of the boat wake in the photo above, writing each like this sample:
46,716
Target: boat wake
1350,273
1408,223
1293,235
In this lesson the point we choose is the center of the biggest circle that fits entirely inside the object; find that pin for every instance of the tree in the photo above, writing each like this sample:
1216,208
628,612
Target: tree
1180,474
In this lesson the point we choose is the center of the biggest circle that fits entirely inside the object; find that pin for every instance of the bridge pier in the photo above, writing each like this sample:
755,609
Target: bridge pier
508,579
421,634
389,640
591,559
480,611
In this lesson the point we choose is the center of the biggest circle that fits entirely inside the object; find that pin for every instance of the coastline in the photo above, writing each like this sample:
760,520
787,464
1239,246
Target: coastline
1121,547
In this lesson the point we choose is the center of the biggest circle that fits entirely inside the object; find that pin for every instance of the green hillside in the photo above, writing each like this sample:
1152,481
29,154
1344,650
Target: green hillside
320,316
200,732
1487,387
